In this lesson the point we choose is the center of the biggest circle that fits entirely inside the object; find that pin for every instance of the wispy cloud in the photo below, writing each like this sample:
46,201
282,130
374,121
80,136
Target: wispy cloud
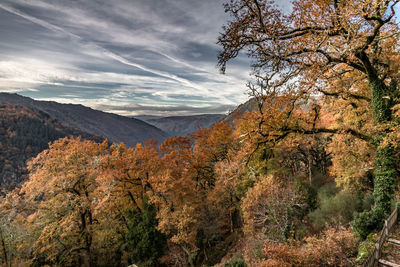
121,52
181,110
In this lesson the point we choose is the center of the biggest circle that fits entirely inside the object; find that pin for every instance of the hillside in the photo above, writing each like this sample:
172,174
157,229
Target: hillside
248,106
23,134
184,125
114,127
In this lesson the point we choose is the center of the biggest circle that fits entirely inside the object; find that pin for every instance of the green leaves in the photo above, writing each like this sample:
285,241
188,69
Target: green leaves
144,243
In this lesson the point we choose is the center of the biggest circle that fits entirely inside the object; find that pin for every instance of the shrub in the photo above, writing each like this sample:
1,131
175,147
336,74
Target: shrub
334,209
366,222
237,261
365,249
335,247
145,244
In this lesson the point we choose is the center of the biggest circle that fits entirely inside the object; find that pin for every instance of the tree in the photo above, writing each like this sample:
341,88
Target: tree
211,145
62,186
271,206
177,195
124,178
182,189
321,50
123,187
144,243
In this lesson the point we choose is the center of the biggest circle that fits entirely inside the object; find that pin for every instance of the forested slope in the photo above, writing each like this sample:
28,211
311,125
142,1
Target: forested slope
111,126
23,134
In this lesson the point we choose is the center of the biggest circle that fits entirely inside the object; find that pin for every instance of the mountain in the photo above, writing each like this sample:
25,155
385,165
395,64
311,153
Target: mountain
146,118
111,126
23,134
184,125
248,106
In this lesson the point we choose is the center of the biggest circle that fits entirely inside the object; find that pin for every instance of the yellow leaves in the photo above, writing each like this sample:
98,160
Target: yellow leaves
267,205
176,193
352,162
186,226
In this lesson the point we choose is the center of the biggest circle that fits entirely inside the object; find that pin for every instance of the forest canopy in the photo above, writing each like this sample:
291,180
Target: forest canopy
306,178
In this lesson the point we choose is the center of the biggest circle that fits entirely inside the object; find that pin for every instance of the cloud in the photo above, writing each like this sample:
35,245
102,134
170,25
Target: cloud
150,53
181,110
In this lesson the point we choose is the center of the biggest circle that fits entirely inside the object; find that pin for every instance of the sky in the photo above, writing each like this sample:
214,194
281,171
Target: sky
130,57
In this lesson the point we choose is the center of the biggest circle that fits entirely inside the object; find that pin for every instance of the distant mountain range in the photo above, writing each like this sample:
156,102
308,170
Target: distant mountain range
183,125
111,126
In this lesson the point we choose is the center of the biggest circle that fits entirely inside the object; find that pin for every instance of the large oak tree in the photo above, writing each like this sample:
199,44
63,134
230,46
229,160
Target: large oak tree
320,51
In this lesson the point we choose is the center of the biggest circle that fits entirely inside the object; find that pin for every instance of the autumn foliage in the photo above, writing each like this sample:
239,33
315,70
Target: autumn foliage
298,181
333,248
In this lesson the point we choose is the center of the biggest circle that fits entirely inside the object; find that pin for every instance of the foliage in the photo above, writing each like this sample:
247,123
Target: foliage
365,248
334,248
336,208
237,261
179,198
270,206
62,186
315,49
144,243
366,222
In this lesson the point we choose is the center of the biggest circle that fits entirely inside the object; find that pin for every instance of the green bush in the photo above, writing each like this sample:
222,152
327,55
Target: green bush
144,243
398,210
237,261
366,222
335,209
365,249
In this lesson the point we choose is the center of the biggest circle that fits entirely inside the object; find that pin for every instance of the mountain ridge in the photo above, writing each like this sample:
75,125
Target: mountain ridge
114,127
184,125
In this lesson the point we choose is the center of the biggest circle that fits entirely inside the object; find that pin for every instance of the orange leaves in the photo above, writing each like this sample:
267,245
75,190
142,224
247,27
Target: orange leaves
334,248
185,180
267,207
124,176
67,167
352,162
62,187
176,192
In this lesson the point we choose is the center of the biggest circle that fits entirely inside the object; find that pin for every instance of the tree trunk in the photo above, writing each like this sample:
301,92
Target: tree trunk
3,244
384,181
385,165
86,221
386,175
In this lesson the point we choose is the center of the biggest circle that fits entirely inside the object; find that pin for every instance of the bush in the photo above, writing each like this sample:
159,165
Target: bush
237,261
365,249
334,210
335,247
144,243
366,222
